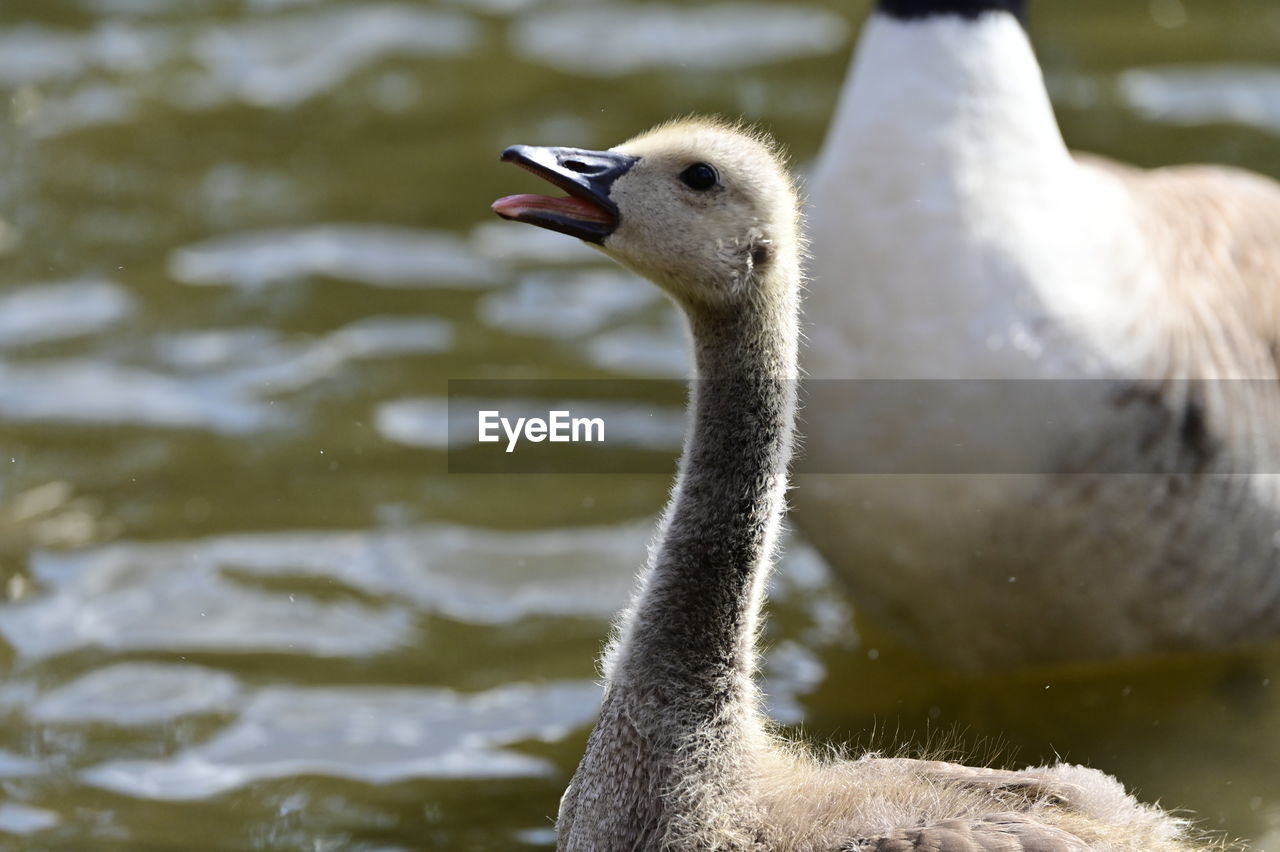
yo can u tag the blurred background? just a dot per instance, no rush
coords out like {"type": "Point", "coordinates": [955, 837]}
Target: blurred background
{"type": "Point", "coordinates": [243, 246]}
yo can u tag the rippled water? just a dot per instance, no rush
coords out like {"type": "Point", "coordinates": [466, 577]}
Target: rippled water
{"type": "Point", "coordinates": [243, 246]}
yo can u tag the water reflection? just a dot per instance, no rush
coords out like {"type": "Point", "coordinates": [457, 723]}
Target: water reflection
{"type": "Point", "coordinates": [91, 392]}
{"type": "Point", "coordinates": [115, 70]}
{"type": "Point", "coordinates": [373, 734]}
{"type": "Point", "coordinates": [371, 254]}
{"type": "Point", "coordinates": [138, 694]}
{"type": "Point", "coordinates": [24, 819]}
{"type": "Point", "coordinates": [55, 311]}
{"type": "Point", "coordinates": [343, 594]}
{"type": "Point", "coordinates": [274, 63]}
{"type": "Point", "coordinates": [614, 40]}
{"type": "Point", "coordinates": [167, 598]}
{"type": "Point", "coordinates": [415, 422]}
{"type": "Point", "coordinates": [566, 304]}
{"type": "Point", "coordinates": [1239, 94]}
{"type": "Point", "coordinates": [656, 350]}
{"type": "Point", "coordinates": [513, 243]}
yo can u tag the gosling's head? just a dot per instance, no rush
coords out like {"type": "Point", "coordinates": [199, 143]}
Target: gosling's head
{"type": "Point", "coordinates": [703, 209]}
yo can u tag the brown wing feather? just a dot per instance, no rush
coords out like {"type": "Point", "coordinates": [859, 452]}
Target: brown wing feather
{"type": "Point", "coordinates": [994, 833]}
{"type": "Point", "coordinates": [1214, 231]}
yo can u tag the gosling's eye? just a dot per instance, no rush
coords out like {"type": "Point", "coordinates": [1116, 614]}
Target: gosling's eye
{"type": "Point", "coordinates": [699, 176]}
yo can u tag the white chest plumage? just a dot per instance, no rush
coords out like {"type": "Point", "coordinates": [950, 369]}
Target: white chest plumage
{"type": "Point", "coordinates": [950, 225]}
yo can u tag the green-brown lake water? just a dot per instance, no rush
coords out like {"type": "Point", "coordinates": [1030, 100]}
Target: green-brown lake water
{"type": "Point", "coordinates": [243, 246]}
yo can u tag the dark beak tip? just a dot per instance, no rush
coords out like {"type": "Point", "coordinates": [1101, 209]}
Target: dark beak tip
{"type": "Point", "coordinates": [512, 153]}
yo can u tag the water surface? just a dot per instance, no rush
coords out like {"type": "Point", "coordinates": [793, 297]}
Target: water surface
{"type": "Point", "coordinates": [244, 244]}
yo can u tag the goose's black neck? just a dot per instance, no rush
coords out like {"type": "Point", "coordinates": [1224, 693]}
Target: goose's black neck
{"type": "Point", "coordinates": [915, 9]}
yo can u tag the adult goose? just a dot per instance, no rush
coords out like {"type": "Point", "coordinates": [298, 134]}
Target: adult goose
{"type": "Point", "coordinates": [1126, 504]}
{"type": "Point", "coordinates": [682, 757]}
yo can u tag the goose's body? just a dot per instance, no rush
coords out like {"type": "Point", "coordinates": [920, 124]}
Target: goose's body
{"type": "Point", "coordinates": [682, 758]}
{"type": "Point", "coordinates": [955, 237]}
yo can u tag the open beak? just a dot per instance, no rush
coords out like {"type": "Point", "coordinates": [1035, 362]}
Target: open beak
{"type": "Point", "coordinates": [587, 212]}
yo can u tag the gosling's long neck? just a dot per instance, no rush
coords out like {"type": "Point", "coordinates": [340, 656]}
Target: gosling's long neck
{"type": "Point", "coordinates": [680, 724]}
{"type": "Point", "coordinates": [688, 643]}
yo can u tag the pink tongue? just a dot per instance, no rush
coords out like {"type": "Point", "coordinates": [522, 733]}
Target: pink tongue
{"type": "Point", "coordinates": [576, 208]}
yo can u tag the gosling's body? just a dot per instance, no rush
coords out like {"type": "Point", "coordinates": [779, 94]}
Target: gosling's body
{"type": "Point", "coordinates": [954, 236]}
{"type": "Point", "coordinates": [682, 757]}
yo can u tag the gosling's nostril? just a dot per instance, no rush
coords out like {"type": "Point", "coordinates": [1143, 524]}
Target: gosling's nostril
{"type": "Point", "coordinates": [577, 166]}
